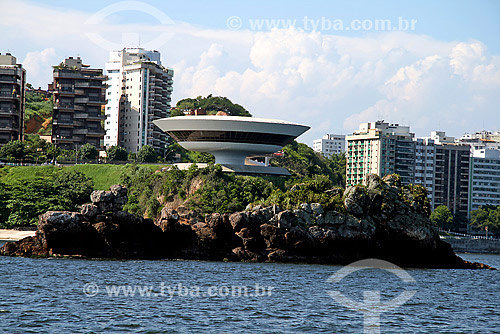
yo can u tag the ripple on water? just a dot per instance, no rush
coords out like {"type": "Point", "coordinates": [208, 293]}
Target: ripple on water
{"type": "Point", "coordinates": [45, 295]}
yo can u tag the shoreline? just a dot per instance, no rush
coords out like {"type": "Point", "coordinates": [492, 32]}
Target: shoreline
{"type": "Point", "coordinates": [14, 235]}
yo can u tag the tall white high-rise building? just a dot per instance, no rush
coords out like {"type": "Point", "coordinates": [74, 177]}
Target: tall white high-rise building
{"type": "Point", "coordinates": [139, 91]}
{"type": "Point", "coordinates": [425, 165]}
{"type": "Point", "coordinates": [330, 144]}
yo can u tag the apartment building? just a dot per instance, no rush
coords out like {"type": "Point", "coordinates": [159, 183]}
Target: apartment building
{"type": "Point", "coordinates": [425, 164]}
{"type": "Point", "coordinates": [481, 140]}
{"type": "Point", "coordinates": [484, 179]}
{"type": "Point", "coordinates": [78, 101]}
{"type": "Point", "coordinates": [446, 171]}
{"type": "Point", "coordinates": [380, 148]}
{"type": "Point", "coordinates": [12, 99]}
{"type": "Point", "coordinates": [330, 144]}
{"type": "Point", "coordinates": [139, 91]}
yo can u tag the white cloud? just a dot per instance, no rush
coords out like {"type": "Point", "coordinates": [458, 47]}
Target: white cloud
{"type": "Point", "coordinates": [39, 64]}
{"type": "Point", "coordinates": [327, 81]}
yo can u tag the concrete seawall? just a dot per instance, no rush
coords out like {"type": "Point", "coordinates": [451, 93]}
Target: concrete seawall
{"type": "Point", "coordinates": [470, 245]}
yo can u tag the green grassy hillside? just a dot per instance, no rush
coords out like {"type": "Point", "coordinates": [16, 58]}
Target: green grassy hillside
{"type": "Point", "coordinates": [103, 176]}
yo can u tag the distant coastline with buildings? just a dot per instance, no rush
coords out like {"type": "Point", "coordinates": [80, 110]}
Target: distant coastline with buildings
{"type": "Point", "coordinates": [104, 108]}
{"type": "Point", "coordinates": [117, 106]}
{"type": "Point", "coordinates": [462, 174]}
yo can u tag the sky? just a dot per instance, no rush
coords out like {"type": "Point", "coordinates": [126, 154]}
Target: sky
{"type": "Point", "coordinates": [328, 64]}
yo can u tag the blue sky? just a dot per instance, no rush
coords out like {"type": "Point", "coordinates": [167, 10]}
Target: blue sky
{"type": "Point", "coordinates": [444, 74]}
{"type": "Point", "coordinates": [445, 20]}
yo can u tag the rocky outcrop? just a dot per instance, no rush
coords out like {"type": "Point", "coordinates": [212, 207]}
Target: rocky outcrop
{"type": "Point", "coordinates": [377, 221]}
{"type": "Point", "coordinates": [99, 230]}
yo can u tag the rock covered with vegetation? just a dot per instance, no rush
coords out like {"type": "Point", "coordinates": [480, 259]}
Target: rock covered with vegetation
{"type": "Point", "coordinates": [381, 220]}
{"type": "Point", "coordinates": [211, 105]}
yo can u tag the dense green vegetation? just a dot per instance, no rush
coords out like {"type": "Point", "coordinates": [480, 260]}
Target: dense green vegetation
{"type": "Point", "coordinates": [442, 217]}
{"type": "Point", "coordinates": [27, 191]}
{"type": "Point", "coordinates": [36, 150]}
{"type": "Point", "coordinates": [87, 152]}
{"type": "Point", "coordinates": [487, 217]}
{"type": "Point", "coordinates": [38, 113]}
{"type": "Point", "coordinates": [314, 179]}
{"type": "Point", "coordinates": [211, 104]}
{"type": "Point", "coordinates": [32, 149]}
{"type": "Point", "coordinates": [316, 189]}
{"type": "Point", "coordinates": [147, 154]}
{"type": "Point", "coordinates": [22, 201]}
{"type": "Point", "coordinates": [200, 189]}
{"type": "Point", "coordinates": [117, 153]}
{"type": "Point", "coordinates": [302, 161]}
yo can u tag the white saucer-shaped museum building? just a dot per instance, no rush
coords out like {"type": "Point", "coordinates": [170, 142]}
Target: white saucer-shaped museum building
{"type": "Point", "coordinates": [233, 139]}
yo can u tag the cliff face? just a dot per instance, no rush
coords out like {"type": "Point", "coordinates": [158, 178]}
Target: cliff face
{"type": "Point", "coordinates": [378, 221]}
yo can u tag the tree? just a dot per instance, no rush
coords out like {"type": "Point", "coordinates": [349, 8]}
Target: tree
{"type": "Point", "coordinates": [337, 163]}
{"type": "Point", "coordinates": [487, 216]}
{"type": "Point", "coordinates": [146, 154]}
{"type": "Point", "coordinates": [13, 151]}
{"type": "Point", "coordinates": [52, 151]}
{"type": "Point", "coordinates": [35, 148]}
{"type": "Point", "coordinates": [88, 152]}
{"type": "Point", "coordinates": [442, 217]}
{"type": "Point", "coordinates": [65, 155]}
{"type": "Point", "coordinates": [132, 157]}
{"type": "Point", "coordinates": [4, 199]}
{"type": "Point", "coordinates": [23, 200]}
{"type": "Point", "coordinates": [211, 104]}
{"type": "Point", "coordinates": [302, 161]}
{"type": "Point", "coordinates": [73, 185]}
{"type": "Point", "coordinates": [117, 153]}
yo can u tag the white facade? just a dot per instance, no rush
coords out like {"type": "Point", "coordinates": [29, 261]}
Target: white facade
{"type": "Point", "coordinates": [231, 139]}
{"type": "Point", "coordinates": [440, 137]}
{"type": "Point", "coordinates": [484, 178]}
{"type": "Point", "coordinates": [330, 144]}
{"type": "Point", "coordinates": [425, 165]}
{"type": "Point", "coordinates": [481, 140]}
{"type": "Point", "coordinates": [139, 91]}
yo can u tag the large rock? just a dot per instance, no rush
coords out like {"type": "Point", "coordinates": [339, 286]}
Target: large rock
{"type": "Point", "coordinates": [109, 201]}
{"type": "Point", "coordinates": [380, 220]}
{"type": "Point", "coordinates": [99, 196]}
{"type": "Point", "coordinates": [356, 200]}
{"type": "Point", "coordinates": [90, 211]}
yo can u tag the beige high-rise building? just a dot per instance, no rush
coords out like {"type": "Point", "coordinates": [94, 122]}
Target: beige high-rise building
{"type": "Point", "coordinates": [380, 148]}
{"type": "Point", "coordinates": [12, 99]}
